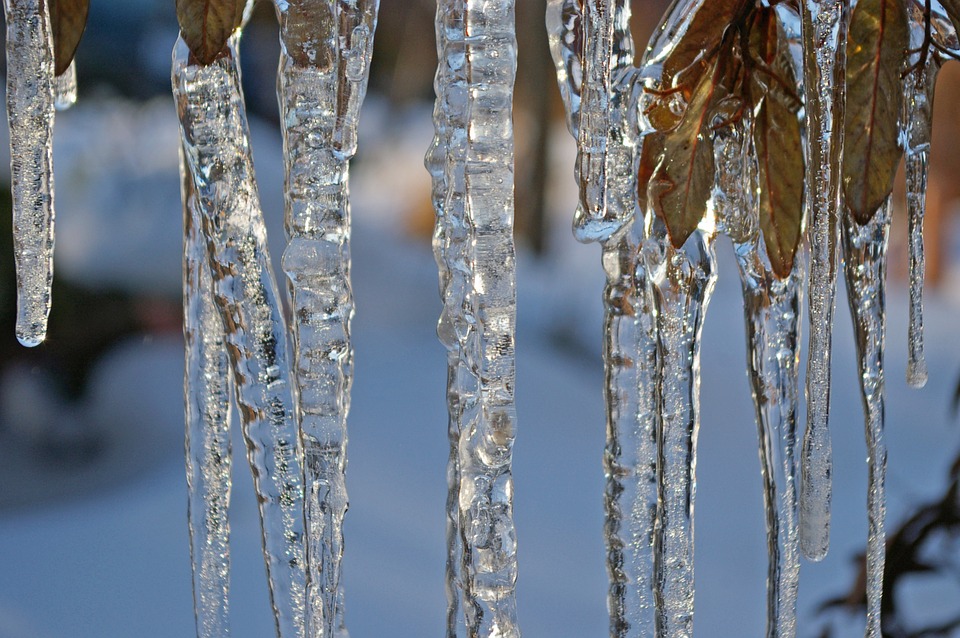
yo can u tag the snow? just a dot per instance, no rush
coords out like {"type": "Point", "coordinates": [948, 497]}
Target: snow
{"type": "Point", "coordinates": [115, 562]}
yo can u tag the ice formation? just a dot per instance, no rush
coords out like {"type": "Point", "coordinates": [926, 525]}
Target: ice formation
{"type": "Point", "coordinates": [471, 161]}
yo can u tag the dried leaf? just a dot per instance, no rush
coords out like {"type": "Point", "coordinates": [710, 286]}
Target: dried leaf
{"type": "Point", "coordinates": [776, 139]}
{"type": "Point", "coordinates": [207, 24]}
{"type": "Point", "coordinates": [696, 48]}
{"type": "Point", "coordinates": [952, 7]}
{"type": "Point", "coordinates": [310, 29]}
{"type": "Point", "coordinates": [68, 19]}
{"type": "Point", "coordinates": [876, 46]}
{"type": "Point", "coordinates": [680, 162]}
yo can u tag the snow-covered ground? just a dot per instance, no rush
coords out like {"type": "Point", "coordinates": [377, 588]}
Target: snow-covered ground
{"type": "Point", "coordinates": [115, 563]}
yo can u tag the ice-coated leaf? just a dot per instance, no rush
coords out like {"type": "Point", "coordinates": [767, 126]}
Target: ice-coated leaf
{"type": "Point", "coordinates": [68, 19]}
{"type": "Point", "coordinates": [680, 163]}
{"type": "Point", "coordinates": [702, 38]}
{"type": "Point", "coordinates": [307, 25]}
{"type": "Point", "coordinates": [952, 7]}
{"type": "Point", "coordinates": [876, 46]}
{"type": "Point", "coordinates": [776, 137]}
{"type": "Point", "coordinates": [206, 25]}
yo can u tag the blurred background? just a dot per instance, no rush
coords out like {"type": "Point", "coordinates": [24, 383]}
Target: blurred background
{"type": "Point", "coordinates": [93, 538]}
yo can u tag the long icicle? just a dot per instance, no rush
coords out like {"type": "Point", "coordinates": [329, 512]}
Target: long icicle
{"type": "Point", "coordinates": [824, 34]}
{"type": "Point", "coordinates": [30, 115]}
{"type": "Point", "coordinates": [917, 121]}
{"type": "Point", "coordinates": [479, 206]}
{"type": "Point", "coordinates": [215, 136]}
{"type": "Point", "coordinates": [449, 248]}
{"type": "Point", "coordinates": [324, 66]}
{"type": "Point", "coordinates": [865, 265]}
{"type": "Point", "coordinates": [683, 281]}
{"type": "Point", "coordinates": [207, 390]}
{"type": "Point", "coordinates": [772, 319]}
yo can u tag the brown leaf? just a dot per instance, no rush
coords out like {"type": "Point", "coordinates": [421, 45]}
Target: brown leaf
{"type": "Point", "coordinates": [309, 32]}
{"type": "Point", "coordinates": [680, 162]}
{"type": "Point", "coordinates": [701, 40]}
{"type": "Point", "coordinates": [207, 24]}
{"type": "Point", "coordinates": [952, 7]}
{"type": "Point", "coordinates": [876, 46]}
{"type": "Point", "coordinates": [68, 19]}
{"type": "Point", "coordinates": [776, 139]}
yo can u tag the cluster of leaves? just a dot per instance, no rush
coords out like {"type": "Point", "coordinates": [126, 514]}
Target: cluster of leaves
{"type": "Point", "coordinates": [733, 60]}
{"type": "Point", "coordinates": [68, 19]}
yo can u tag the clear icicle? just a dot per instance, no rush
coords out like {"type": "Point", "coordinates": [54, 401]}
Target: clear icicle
{"type": "Point", "coordinates": [824, 27]}
{"type": "Point", "coordinates": [865, 250]}
{"type": "Point", "coordinates": [607, 195]}
{"type": "Point", "coordinates": [564, 28]}
{"type": "Point", "coordinates": [215, 136]}
{"type": "Point", "coordinates": [630, 348]}
{"type": "Point", "coordinates": [475, 242]}
{"type": "Point", "coordinates": [917, 119]}
{"type": "Point", "coordinates": [450, 248]}
{"type": "Point", "coordinates": [772, 317]}
{"type": "Point", "coordinates": [321, 85]}
{"type": "Point", "coordinates": [207, 393]}
{"type": "Point", "coordinates": [682, 281]}
{"type": "Point", "coordinates": [30, 115]}
{"type": "Point", "coordinates": [65, 88]}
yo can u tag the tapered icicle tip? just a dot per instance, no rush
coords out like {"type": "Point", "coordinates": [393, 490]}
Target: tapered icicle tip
{"type": "Point", "coordinates": [31, 338]}
{"type": "Point", "coordinates": [917, 373]}
{"type": "Point", "coordinates": [32, 316]}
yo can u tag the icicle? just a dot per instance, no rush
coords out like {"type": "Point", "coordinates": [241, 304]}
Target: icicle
{"type": "Point", "coordinates": [607, 192]}
{"type": "Point", "coordinates": [207, 393]}
{"type": "Point", "coordinates": [917, 121]}
{"type": "Point", "coordinates": [772, 318]}
{"type": "Point", "coordinates": [65, 88]}
{"type": "Point", "coordinates": [475, 243]}
{"type": "Point", "coordinates": [564, 30]}
{"type": "Point", "coordinates": [321, 85]}
{"type": "Point", "coordinates": [682, 281]}
{"type": "Point", "coordinates": [216, 140]}
{"type": "Point", "coordinates": [824, 26]}
{"type": "Point", "coordinates": [865, 264]}
{"type": "Point", "coordinates": [450, 248]}
{"type": "Point", "coordinates": [30, 114]}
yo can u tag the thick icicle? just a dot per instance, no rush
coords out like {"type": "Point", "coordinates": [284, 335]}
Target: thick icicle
{"type": "Point", "coordinates": [30, 114]}
{"type": "Point", "coordinates": [324, 66]}
{"type": "Point", "coordinates": [65, 88]}
{"type": "Point", "coordinates": [207, 393]}
{"type": "Point", "coordinates": [474, 237]}
{"type": "Point", "coordinates": [450, 247]}
{"type": "Point", "coordinates": [216, 140]}
{"type": "Point", "coordinates": [865, 264]}
{"type": "Point", "coordinates": [917, 120]}
{"type": "Point", "coordinates": [824, 26]}
{"type": "Point", "coordinates": [772, 317]}
{"type": "Point", "coordinates": [682, 281]}
{"type": "Point", "coordinates": [607, 192]}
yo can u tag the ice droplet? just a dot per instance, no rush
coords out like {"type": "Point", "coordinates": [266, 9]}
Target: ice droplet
{"type": "Point", "coordinates": [65, 88]}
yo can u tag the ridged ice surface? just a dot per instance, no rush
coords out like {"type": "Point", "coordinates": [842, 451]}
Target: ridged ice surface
{"type": "Point", "coordinates": [65, 88]}
{"type": "Point", "coordinates": [824, 60]}
{"type": "Point", "coordinates": [319, 106]}
{"type": "Point", "coordinates": [30, 114]}
{"type": "Point", "coordinates": [917, 121]}
{"type": "Point", "coordinates": [865, 265]}
{"type": "Point", "coordinates": [207, 415]}
{"type": "Point", "coordinates": [215, 137]}
{"type": "Point", "coordinates": [564, 33]}
{"type": "Point", "coordinates": [772, 318]}
{"type": "Point", "coordinates": [474, 246]}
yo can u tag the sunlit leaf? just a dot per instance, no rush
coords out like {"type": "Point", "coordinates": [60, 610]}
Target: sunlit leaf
{"type": "Point", "coordinates": [680, 162]}
{"type": "Point", "coordinates": [695, 49]}
{"type": "Point", "coordinates": [207, 24]}
{"type": "Point", "coordinates": [876, 45]}
{"type": "Point", "coordinates": [68, 19]}
{"type": "Point", "coordinates": [776, 138]}
{"type": "Point", "coordinates": [309, 26]}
